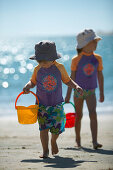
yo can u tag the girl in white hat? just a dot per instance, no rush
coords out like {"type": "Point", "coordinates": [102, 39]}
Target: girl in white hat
{"type": "Point", "coordinates": [86, 69]}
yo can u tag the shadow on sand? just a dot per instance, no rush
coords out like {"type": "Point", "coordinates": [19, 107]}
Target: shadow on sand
{"type": "Point", "coordinates": [100, 151]}
{"type": "Point", "coordinates": [57, 162]}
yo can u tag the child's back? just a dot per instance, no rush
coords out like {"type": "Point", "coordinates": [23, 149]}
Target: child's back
{"type": "Point", "coordinates": [48, 77]}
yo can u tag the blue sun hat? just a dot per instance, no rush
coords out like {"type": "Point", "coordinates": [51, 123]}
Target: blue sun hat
{"type": "Point", "coordinates": [86, 36]}
{"type": "Point", "coordinates": [45, 50]}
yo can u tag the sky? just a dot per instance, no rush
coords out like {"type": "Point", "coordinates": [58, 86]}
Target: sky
{"type": "Point", "coordinates": [54, 17]}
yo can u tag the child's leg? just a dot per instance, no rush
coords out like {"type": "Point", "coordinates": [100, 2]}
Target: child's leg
{"type": "Point", "coordinates": [44, 140]}
{"type": "Point", "coordinates": [91, 103]}
{"type": "Point", "coordinates": [54, 146]}
{"type": "Point", "coordinates": [79, 107]}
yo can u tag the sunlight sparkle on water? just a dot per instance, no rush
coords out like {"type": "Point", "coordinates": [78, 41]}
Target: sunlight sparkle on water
{"type": "Point", "coordinates": [19, 57]}
{"type": "Point", "coordinates": [23, 63]}
{"type": "Point", "coordinates": [3, 61]}
{"type": "Point", "coordinates": [66, 57]}
{"type": "Point", "coordinates": [12, 70]}
{"type": "Point", "coordinates": [5, 84]}
{"type": "Point", "coordinates": [6, 71]}
{"type": "Point", "coordinates": [22, 70]}
{"type": "Point", "coordinates": [29, 66]}
{"type": "Point", "coordinates": [16, 77]}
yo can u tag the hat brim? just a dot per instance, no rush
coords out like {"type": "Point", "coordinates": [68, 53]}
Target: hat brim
{"type": "Point", "coordinates": [59, 55]}
{"type": "Point", "coordinates": [32, 57]}
{"type": "Point", "coordinates": [46, 58]}
{"type": "Point", "coordinates": [98, 38]}
{"type": "Point", "coordinates": [81, 46]}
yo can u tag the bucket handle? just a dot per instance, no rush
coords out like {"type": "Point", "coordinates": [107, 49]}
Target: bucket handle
{"type": "Point", "coordinates": [70, 103]}
{"type": "Point", "coordinates": [23, 93]}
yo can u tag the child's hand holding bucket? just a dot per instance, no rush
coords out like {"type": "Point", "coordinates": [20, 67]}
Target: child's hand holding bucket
{"type": "Point", "coordinates": [26, 90]}
{"type": "Point", "coordinates": [27, 87]}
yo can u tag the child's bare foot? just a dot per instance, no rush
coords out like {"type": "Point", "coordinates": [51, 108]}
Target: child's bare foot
{"type": "Point", "coordinates": [78, 144]}
{"type": "Point", "coordinates": [97, 145]}
{"type": "Point", "coordinates": [54, 148]}
{"type": "Point", "coordinates": [44, 155]}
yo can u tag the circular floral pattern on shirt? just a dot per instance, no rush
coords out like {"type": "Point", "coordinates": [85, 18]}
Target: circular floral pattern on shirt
{"type": "Point", "coordinates": [89, 69]}
{"type": "Point", "coordinates": [49, 83]}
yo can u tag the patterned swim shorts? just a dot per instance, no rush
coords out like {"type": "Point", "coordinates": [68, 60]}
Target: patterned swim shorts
{"type": "Point", "coordinates": [52, 118]}
{"type": "Point", "coordinates": [86, 93]}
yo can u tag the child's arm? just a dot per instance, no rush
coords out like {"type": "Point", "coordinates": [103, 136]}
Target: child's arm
{"type": "Point", "coordinates": [101, 85]}
{"type": "Point", "coordinates": [71, 85]}
{"type": "Point", "coordinates": [74, 85]}
{"type": "Point", "coordinates": [69, 90]}
{"type": "Point", "coordinates": [28, 86]}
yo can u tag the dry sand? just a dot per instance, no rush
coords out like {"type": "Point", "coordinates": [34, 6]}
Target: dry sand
{"type": "Point", "coordinates": [20, 147]}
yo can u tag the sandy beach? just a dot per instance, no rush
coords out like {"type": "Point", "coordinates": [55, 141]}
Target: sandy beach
{"type": "Point", "coordinates": [20, 147]}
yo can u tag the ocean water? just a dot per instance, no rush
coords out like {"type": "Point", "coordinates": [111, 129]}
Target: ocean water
{"type": "Point", "coordinates": [16, 70]}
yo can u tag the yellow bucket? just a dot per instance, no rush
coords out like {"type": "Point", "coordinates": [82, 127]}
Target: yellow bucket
{"type": "Point", "coordinates": [27, 115]}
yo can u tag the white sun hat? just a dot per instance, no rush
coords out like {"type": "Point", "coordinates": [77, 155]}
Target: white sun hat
{"type": "Point", "coordinates": [86, 36]}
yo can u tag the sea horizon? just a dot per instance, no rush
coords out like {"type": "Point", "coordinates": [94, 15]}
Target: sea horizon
{"type": "Point", "coordinates": [16, 68]}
